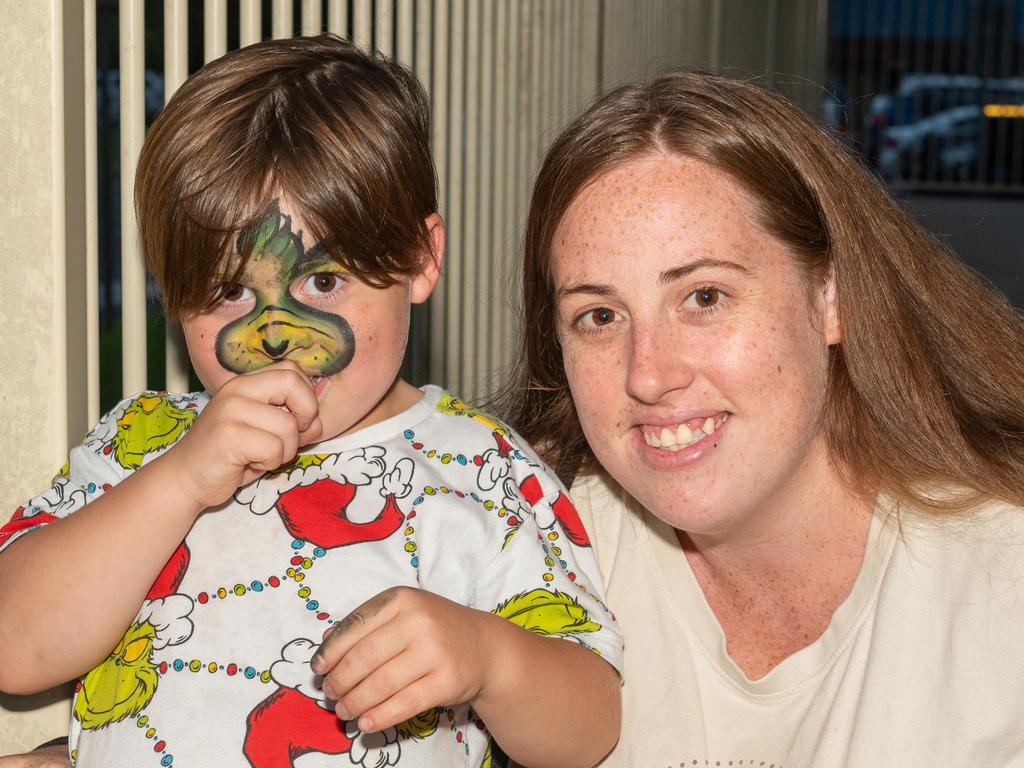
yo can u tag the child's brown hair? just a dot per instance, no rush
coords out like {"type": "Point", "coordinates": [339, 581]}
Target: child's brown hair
{"type": "Point", "coordinates": [338, 135]}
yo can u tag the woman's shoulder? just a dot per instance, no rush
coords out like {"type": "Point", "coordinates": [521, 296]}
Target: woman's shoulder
{"type": "Point", "coordinates": [970, 557]}
{"type": "Point", "coordinates": [610, 516]}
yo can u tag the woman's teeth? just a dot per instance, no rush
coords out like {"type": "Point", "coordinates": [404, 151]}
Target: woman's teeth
{"type": "Point", "coordinates": [682, 435]}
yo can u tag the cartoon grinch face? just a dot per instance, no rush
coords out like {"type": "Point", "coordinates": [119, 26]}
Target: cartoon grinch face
{"type": "Point", "coordinates": [150, 423]}
{"type": "Point", "coordinates": [123, 684]}
{"type": "Point", "coordinates": [281, 285]}
{"type": "Point", "coordinates": [456, 407]}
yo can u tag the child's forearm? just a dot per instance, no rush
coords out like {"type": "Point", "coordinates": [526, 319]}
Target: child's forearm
{"type": "Point", "coordinates": [55, 756]}
{"type": "Point", "coordinates": [551, 702]}
{"type": "Point", "coordinates": [69, 590]}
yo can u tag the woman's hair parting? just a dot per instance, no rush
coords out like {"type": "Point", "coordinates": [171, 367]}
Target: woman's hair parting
{"type": "Point", "coordinates": [339, 136]}
{"type": "Point", "coordinates": [926, 389]}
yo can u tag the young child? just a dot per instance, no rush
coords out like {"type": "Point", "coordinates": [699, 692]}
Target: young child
{"type": "Point", "coordinates": [333, 567]}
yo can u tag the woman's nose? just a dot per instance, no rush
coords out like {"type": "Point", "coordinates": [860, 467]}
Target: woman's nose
{"type": "Point", "coordinates": [658, 364]}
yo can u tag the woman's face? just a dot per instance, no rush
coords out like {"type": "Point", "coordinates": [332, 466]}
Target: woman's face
{"type": "Point", "coordinates": [695, 348]}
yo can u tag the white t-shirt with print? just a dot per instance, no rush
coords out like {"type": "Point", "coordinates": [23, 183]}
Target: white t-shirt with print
{"type": "Point", "coordinates": [214, 671]}
{"type": "Point", "coordinates": [921, 667]}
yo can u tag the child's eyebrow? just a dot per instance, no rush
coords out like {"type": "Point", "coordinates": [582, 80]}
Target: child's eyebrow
{"type": "Point", "coordinates": [313, 259]}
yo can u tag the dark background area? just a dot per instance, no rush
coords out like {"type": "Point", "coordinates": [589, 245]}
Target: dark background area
{"type": "Point", "coordinates": [931, 94]}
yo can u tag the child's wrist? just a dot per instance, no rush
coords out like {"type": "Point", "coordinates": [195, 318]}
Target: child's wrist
{"type": "Point", "coordinates": [172, 473]}
{"type": "Point", "coordinates": [499, 642]}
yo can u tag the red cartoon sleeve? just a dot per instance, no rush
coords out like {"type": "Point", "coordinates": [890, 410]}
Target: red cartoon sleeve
{"type": "Point", "coordinates": [20, 523]}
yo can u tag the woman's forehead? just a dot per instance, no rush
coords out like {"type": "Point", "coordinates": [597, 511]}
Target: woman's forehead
{"type": "Point", "coordinates": [677, 204]}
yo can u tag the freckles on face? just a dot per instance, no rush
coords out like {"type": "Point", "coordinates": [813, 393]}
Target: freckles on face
{"type": "Point", "coordinates": [673, 307]}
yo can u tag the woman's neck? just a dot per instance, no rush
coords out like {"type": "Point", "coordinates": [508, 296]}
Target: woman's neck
{"type": "Point", "coordinates": [774, 586]}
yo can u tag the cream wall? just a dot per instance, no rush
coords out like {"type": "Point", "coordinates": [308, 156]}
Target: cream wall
{"type": "Point", "coordinates": [32, 320]}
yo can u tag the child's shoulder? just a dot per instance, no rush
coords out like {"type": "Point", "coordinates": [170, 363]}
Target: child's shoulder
{"type": "Point", "coordinates": [451, 405]}
{"type": "Point", "coordinates": [462, 420]}
{"type": "Point", "coordinates": [144, 423]}
{"type": "Point", "coordinates": [455, 415]}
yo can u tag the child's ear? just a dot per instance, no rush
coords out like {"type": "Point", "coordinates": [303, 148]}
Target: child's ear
{"type": "Point", "coordinates": [423, 282]}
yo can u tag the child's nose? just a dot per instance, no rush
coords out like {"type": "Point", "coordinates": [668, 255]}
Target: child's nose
{"type": "Point", "coordinates": [275, 350]}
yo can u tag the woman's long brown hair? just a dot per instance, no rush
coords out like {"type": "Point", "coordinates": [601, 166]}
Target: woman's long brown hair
{"type": "Point", "coordinates": [926, 390]}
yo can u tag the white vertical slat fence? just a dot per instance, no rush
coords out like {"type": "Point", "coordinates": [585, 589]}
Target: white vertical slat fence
{"type": "Point", "coordinates": [175, 71]}
{"type": "Point", "coordinates": [502, 77]}
{"type": "Point", "coordinates": [133, 126]}
{"type": "Point", "coordinates": [92, 239]}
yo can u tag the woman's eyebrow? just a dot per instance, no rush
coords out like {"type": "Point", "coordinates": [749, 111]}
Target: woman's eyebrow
{"type": "Point", "coordinates": [684, 270]}
{"type": "Point", "coordinates": [595, 289]}
{"type": "Point", "coordinates": [666, 277]}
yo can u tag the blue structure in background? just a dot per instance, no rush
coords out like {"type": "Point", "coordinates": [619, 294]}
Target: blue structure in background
{"type": "Point", "coordinates": [931, 92]}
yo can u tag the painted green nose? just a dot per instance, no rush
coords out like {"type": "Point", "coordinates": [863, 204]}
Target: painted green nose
{"type": "Point", "coordinates": [275, 350]}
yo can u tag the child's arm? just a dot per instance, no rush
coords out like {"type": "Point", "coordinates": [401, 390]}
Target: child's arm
{"type": "Point", "coordinates": [51, 756]}
{"type": "Point", "coordinates": [546, 701]}
{"type": "Point", "coordinates": [69, 589]}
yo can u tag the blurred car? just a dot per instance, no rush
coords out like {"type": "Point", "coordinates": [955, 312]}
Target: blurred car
{"type": "Point", "coordinates": [951, 128]}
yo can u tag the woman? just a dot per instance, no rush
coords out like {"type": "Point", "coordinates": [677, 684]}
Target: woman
{"type": "Point", "coordinates": [797, 427]}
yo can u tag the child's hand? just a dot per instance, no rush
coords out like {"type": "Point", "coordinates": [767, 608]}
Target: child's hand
{"type": "Point", "coordinates": [401, 653]}
{"type": "Point", "coordinates": [254, 423]}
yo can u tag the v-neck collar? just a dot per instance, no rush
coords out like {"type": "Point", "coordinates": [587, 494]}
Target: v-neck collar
{"type": "Point", "coordinates": [804, 667]}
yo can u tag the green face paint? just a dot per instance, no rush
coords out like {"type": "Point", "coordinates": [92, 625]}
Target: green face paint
{"type": "Point", "coordinates": [280, 327]}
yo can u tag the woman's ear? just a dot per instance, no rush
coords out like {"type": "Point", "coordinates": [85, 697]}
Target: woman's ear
{"type": "Point", "coordinates": [829, 303]}
{"type": "Point", "coordinates": [423, 282]}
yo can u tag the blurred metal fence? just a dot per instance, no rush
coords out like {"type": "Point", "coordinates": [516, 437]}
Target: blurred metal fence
{"type": "Point", "coordinates": [931, 92]}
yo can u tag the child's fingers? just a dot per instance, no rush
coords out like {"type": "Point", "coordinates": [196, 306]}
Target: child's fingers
{"type": "Point", "coordinates": [312, 433]}
{"type": "Point", "coordinates": [282, 384]}
{"type": "Point", "coordinates": [362, 660]}
{"type": "Point", "coordinates": [255, 423]}
{"type": "Point", "coordinates": [341, 637]}
{"type": "Point", "coordinates": [264, 450]}
{"type": "Point", "coordinates": [419, 696]}
{"type": "Point", "coordinates": [380, 685]}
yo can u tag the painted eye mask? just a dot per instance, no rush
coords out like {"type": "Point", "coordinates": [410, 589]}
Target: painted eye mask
{"type": "Point", "coordinates": [280, 327]}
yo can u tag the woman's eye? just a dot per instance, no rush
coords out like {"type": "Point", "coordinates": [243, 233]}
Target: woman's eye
{"type": "Point", "coordinates": [706, 298]}
{"type": "Point", "coordinates": [597, 318]}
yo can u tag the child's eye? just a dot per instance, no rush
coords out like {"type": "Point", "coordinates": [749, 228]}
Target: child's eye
{"type": "Point", "coordinates": [232, 293]}
{"type": "Point", "coordinates": [321, 285]}
{"type": "Point", "coordinates": [324, 282]}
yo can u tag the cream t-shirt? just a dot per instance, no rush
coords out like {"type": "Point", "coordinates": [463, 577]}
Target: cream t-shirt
{"type": "Point", "coordinates": [922, 665]}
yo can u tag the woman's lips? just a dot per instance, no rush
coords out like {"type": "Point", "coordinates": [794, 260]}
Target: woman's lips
{"type": "Point", "coordinates": [682, 435]}
{"type": "Point", "coordinates": [670, 445]}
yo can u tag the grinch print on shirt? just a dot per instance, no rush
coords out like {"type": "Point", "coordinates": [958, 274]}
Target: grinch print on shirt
{"type": "Point", "coordinates": [214, 670]}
